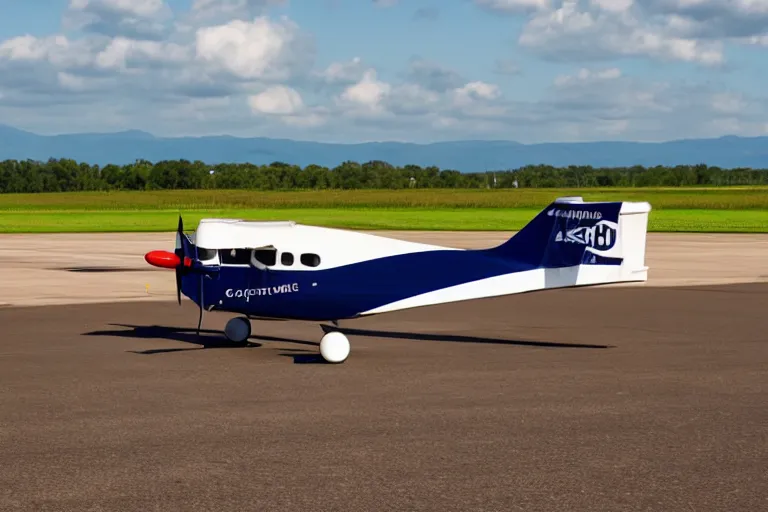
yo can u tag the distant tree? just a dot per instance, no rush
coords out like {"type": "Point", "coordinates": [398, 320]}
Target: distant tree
{"type": "Point", "coordinates": [68, 175]}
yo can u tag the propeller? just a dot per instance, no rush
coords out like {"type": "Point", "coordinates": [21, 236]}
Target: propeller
{"type": "Point", "coordinates": [200, 294]}
{"type": "Point", "coordinates": [183, 264]}
{"type": "Point", "coordinates": [181, 270]}
{"type": "Point", "coordinates": [179, 234]}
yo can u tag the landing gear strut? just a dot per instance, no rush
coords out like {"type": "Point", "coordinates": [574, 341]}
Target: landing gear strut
{"type": "Point", "coordinates": [238, 329]}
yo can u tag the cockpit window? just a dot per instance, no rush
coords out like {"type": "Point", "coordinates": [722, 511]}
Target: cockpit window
{"type": "Point", "coordinates": [286, 259]}
{"type": "Point", "coordinates": [206, 254]}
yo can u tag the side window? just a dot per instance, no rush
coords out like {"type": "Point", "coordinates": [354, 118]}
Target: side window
{"type": "Point", "coordinates": [286, 259]}
{"type": "Point", "coordinates": [235, 256]}
{"type": "Point", "coordinates": [266, 257]}
{"type": "Point", "coordinates": [310, 260]}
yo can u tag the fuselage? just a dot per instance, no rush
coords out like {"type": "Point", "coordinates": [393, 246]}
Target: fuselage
{"type": "Point", "coordinates": [286, 270]}
{"type": "Point", "coordinates": [347, 291]}
{"type": "Point", "coordinates": [293, 271]}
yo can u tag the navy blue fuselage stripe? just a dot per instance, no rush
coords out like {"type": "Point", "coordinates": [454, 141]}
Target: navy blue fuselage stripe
{"type": "Point", "coordinates": [346, 291]}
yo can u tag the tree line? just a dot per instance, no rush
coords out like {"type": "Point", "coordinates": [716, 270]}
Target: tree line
{"type": "Point", "coordinates": [65, 175]}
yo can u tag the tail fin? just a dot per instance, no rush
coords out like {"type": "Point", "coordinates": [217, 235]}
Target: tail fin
{"type": "Point", "coordinates": [580, 243]}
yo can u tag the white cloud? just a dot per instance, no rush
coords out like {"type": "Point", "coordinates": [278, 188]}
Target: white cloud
{"type": "Point", "coordinates": [587, 76]}
{"type": "Point", "coordinates": [213, 61]}
{"type": "Point", "coordinates": [214, 11]}
{"type": "Point", "coordinates": [473, 92]}
{"type": "Point", "coordinates": [121, 53]}
{"type": "Point", "coordinates": [71, 82]}
{"type": "Point", "coordinates": [412, 99]}
{"type": "Point", "coordinates": [287, 105]}
{"type": "Point", "coordinates": [130, 18]}
{"type": "Point", "coordinates": [366, 96]}
{"type": "Point", "coordinates": [669, 30]}
{"type": "Point", "coordinates": [613, 5]}
{"type": "Point", "coordinates": [277, 100]}
{"type": "Point", "coordinates": [138, 8]}
{"type": "Point", "coordinates": [343, 72]}
{"type": "Point", "coordinates": [249, 50]}
{"type": "Point", "coordinates": [56, 50]}
{"type": "Point", "coordinates": [228, 67]}
{"type": "Point", "coordinates": [575, 32]}
{"type": "Point", "coordinates": [757, 40]}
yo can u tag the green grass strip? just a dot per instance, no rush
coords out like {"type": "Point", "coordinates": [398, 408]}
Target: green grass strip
{"type": "Point", "coordinates": [689, 198]}
{"type": "Point", "coordinates": [459, 219]}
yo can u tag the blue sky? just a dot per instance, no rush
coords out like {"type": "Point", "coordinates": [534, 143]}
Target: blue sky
{"type": "Point", "coordinates": [408, 70]}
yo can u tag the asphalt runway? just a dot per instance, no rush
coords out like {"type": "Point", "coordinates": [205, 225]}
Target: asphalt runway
{"type": "Point", "coordinates": [635, 398]}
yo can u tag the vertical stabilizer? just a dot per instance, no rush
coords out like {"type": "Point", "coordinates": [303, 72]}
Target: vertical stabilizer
{"type": "Point", "coordinates": [587, 243]}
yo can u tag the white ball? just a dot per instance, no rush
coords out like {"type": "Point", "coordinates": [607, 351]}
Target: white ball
{"type": "Point", "coordinates": [334, 347]}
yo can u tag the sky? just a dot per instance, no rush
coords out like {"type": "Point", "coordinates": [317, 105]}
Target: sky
{"type": "Point", "coordinates": [396, 70]}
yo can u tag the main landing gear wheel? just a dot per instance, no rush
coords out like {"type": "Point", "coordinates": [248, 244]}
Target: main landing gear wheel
{"type": "Point", "coordinates": [238, 329]}
{"type": "Point", "coordinates": [334, 347]}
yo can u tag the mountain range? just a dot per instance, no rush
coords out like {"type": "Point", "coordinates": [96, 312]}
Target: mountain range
{"type": "Point", "coordinates": [125, 147]}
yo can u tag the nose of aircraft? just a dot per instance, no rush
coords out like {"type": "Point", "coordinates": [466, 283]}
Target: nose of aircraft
{"type": "Point", "coordinates": [162, 259]}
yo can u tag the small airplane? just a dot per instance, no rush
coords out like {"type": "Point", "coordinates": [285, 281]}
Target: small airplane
{"type": "Point", "coordinates": [290, 271]}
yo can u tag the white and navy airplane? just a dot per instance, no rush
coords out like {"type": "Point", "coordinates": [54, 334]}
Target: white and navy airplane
{"type": "Point", "coordinates": [290, 271]}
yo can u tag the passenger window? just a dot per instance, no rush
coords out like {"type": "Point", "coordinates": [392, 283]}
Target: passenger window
{"type": "Point", "coordinates": [286, 259]}
{"type": "Point", "coordinates": [235, 256]}
{"type": "Point", "coordinates": [310, 260]}
{"type": "Point", "coordinates": [267, 257]}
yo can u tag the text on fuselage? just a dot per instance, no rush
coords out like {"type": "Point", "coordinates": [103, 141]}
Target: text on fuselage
{"type": "Point", "coordinates": [247, 293]}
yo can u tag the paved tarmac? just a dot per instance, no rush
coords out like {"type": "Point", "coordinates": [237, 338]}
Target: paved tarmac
{"type": "Point", "coordinates": [501, 404]}
{"type": "Point", "coordinates": [52, 269]}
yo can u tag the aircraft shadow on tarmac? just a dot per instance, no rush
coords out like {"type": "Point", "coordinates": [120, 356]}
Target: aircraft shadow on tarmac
{"type": "Point", "coordinates": [208, 339]}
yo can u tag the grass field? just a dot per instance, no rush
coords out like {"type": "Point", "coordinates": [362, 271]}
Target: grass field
{"type": "Point", "coordinates": [731, 198]}
{"type": "Point", "coordinates": [674, 209]}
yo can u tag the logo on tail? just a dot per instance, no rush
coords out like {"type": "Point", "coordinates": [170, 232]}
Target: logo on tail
{"type": "Point", "coordinates": [601, 237]}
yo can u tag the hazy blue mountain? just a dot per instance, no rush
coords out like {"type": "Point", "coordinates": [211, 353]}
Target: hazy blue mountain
{"type": "Point", "coordinates": [467, 156]}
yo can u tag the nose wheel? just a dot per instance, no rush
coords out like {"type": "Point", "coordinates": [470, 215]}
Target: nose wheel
{"type": "Point", "coordinates": [238, 329]}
